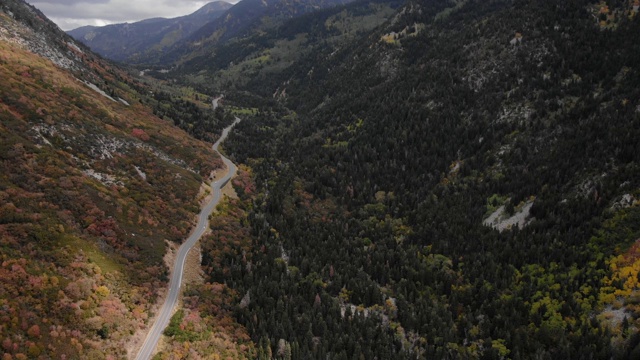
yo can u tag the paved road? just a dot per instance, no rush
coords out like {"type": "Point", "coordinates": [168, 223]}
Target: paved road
{"type": "Point", "coordinates": [176, 275]}
{"type": "Point", "coordinates": [215, 102]}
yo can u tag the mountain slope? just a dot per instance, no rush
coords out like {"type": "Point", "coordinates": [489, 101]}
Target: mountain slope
{"type": "Point", "coordinates": [461, 182]}
{"type": "Point", "coordinates": [93, 190]}
{"type": "Point", "coordinates": [148, 38]}
{"type": "Point", "coordinates": [260, 61]}
{"type": "Point", "coordinates": [245, 18]}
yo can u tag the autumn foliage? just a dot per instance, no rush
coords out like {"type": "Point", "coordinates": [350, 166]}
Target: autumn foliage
{"type": "Point", "coordinates": [206, 326]}
{"type": "Point", "coordinates": [90, 189]}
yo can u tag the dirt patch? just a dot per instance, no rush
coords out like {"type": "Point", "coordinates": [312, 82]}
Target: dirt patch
{"type": "Point", "coordinates": [204, 193]}
{"type": "Point", "coordinates": [229, 191]}
{"type": "Point", "coordinates": [193, 273]}
{"type": "Point", "coordinates": [170, 257]}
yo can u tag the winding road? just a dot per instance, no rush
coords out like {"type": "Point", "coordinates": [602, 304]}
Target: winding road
{"type": "Point", "coordinates": [176, 275]}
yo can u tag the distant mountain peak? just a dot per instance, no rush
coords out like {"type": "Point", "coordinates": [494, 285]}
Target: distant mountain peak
{"type": "Point", "coordinates": [215, 6]}
{"type": "Point", "coordinates": [146, 38]}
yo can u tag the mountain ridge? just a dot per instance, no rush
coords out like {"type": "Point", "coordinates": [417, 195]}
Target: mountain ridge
{"type": "Point", "coordinates": [146, 38]}
{"type": "Point", "coordinates": [240, 20]}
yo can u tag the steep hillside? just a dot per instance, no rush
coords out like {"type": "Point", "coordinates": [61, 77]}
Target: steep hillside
{"type": "Point", "coordinates": [257, 15]}
{"type": "Point", "coordinates": [244, 19]}
{"type": "Point", "coordinates": [146, 39]}
{"type": "Point", "coordinates": [460, 182]}
{"type": "Point", "coordinates": [261, 61]}
{"type": "Point", "coordinates": [93, 188]}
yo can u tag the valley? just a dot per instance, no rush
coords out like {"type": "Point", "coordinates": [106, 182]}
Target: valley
{"type": "Point", "coordinates": [175, 284]}
{"type": "Point", "coordinates": [413, 179]}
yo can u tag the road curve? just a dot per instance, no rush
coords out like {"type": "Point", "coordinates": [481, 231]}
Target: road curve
{"type": "Point", "coordinates": [176, 275]}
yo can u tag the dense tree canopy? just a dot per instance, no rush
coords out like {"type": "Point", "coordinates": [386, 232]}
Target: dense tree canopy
{"type": "Point", "coordinates": [370, 233]}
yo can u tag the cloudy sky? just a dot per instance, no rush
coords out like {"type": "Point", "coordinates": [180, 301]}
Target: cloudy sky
{"type": "Point", "coordinates": [70, 14]}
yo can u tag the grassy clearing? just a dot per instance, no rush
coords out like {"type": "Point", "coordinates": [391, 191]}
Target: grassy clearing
{"type": "Point", "coordinates": [238, 111]}
{"type": "Point", "coordinates": [349, 24]}
{"type": "Point", "coordinates": [92, 252]}
{"type": "Point", "coordinates": [494, 202]}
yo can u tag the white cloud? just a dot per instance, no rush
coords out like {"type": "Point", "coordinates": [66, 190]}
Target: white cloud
{"type": "Point", "coordinates": [70, 14]}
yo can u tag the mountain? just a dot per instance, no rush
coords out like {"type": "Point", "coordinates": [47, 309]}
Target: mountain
{"type": "Point", "coordinates": [245, 18]}
{"type": "Point", "coordinates": [460, 181]}
{"type": "Point", "coordinates": [260, 61]}
{"type": "Point", "coordinates": [253, 15]}
{"type": "Point", "coordinates": [147, 38]}
{"type": "Point", "coordinates": [419, 179]}
{"type": "Point", "coordinates": [94, 190]}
